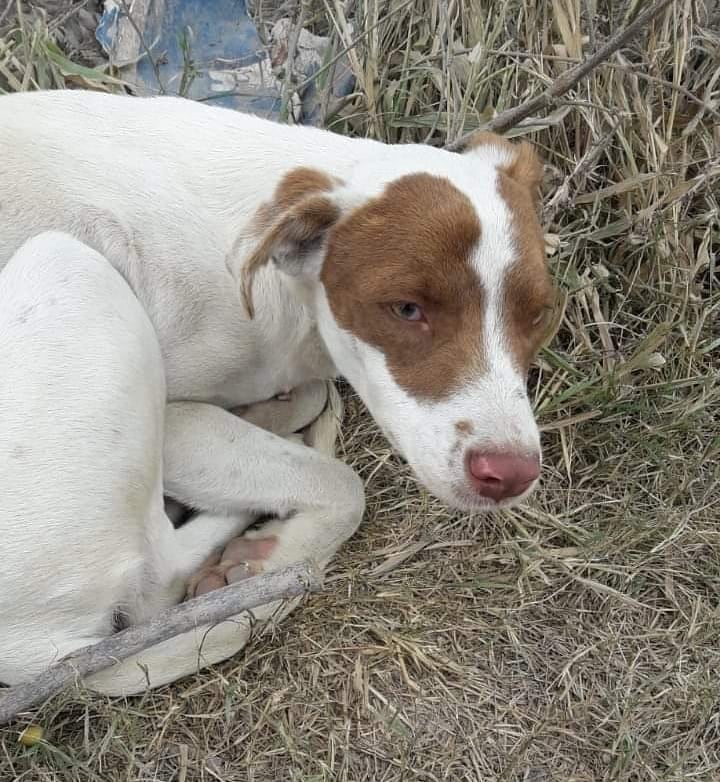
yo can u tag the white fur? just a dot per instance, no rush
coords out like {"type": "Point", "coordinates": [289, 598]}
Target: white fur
{"type": "Point", "coordinates": [162, 191]}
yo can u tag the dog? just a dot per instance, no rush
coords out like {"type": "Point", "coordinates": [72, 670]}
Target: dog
{"type": "Point", "coordinates": [165, 263]}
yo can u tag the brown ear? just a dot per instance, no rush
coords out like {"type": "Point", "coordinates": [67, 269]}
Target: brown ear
{"type": "Point", "coordinates": [523, 166]}
{"type": "Point", "coordinates": [294, 242]}
{"type": "Point", "coordinates": [526, 167]}
{"type": "Point", "coordinates": [289, 229]}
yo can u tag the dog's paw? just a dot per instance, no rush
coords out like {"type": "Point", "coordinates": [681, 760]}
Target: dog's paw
{"type": "Point", "coordinates": [243, 557]}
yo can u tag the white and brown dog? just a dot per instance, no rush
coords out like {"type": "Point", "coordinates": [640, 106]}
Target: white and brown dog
{"type": "Point", "coordinates": [163, 263]}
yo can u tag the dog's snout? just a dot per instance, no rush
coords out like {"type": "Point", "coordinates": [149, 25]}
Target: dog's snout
{"type": "Point", "coordinates": [501, 475]}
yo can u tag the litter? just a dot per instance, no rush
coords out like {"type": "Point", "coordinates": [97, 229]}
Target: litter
{"type": "Point", "coordinates": [210, 50]}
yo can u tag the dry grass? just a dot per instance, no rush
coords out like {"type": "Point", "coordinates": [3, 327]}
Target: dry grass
{"type": "Point", "coordinates": [575, 639]}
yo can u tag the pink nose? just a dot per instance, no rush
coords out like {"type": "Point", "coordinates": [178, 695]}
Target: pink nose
{"type": "Point", "coordinates": [500, 476]}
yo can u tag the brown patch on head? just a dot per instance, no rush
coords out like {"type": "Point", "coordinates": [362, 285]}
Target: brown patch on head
{"type": "Point", "coordinates": [293, 187]}
{"type": "Point", "coordinates": [414, 243]}
{"type": "Point", "coordinates": [526, 167]}
{"type": "Point", "coordinates": [464, 427]}
{"type": "Point", "coordinates": [298, 216]}
{"type": "Point", "coordinates": [528, 288]}
{"type": "Point", "coordinates": [483, 138]}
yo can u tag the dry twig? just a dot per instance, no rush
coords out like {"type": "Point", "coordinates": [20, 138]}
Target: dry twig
{"type": "Point", "coordinates": [514, 116]}
{"type": "Point", "coordinates": [211, 608]}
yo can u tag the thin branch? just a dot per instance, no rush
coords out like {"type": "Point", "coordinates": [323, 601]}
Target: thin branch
{"type": "Point", "coordinates": [59, 21]}
{"type": "Point", "coordinates": [210, 608]}
{"type": "Point", "coordinates": [5, 11]}
{"type": "Point", "coordinates": [514, 116]}
{"type": "Point", "coordinates": [625, 68]}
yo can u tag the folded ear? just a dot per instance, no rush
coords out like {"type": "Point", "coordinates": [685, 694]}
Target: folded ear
{"type": "Point", "coordinates": [518, 160]}
{"type": "Point", "coordinates": [295, 242]}
{"type": "Point", "coordinates": [293, 228]}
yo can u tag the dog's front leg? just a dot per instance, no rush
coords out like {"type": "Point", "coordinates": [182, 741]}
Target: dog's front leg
{"type": "Point", "coordinates": [217, 462]}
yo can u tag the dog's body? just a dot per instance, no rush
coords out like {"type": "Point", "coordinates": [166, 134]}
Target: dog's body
{"type": "Point", "coordinates": [416, 273]}
{"type": "Point", "coordinates": [162, 189]}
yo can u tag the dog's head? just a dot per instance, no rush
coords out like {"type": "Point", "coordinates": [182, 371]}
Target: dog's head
{"type": "Point", "coordinates": [432, 294]}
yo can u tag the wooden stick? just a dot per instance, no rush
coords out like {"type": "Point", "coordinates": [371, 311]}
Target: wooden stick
{"type": "Point", "coordinates": [210, 608]}
{"type": "Point", "coordinates": [511, 117]}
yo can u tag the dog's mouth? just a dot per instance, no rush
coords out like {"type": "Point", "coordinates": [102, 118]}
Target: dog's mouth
{"type": "Point", "coordinates": [472, 502]}
{"type": "Point", "coordinates": [458, 493]}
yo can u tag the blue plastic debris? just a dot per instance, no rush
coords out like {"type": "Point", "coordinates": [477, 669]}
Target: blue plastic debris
{"type": "Point", "coordinates": [210, 50]}
{"type": "Point", "coordinates": [107, 27]}
{"type": "Point", "coordinates": [202, 49]}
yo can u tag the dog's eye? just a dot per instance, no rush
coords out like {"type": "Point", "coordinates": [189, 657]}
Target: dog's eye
{"type": "Point", "coordinates": [408, 310]}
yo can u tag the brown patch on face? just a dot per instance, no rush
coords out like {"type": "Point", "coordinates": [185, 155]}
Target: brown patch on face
{"type": "Point", "coordinates": [464, 427]}
{"type": "Point", "coordinates": [414, 243]}
{"type": "Point", "coordinates": [528, 288]}
{"type": "Point", "coordinates": [297, 216]}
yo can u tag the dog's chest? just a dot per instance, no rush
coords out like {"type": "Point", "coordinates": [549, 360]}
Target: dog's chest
{"type": "Point", "coordinates": [275, 366]}
{"type": "Point", "coordinates": [214, 353]}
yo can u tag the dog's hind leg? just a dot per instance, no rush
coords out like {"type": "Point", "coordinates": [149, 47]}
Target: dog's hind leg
{"type": "Point", "coordinates": [82, 403]}
{"type": "Point", "coordinates": [82, 400]}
